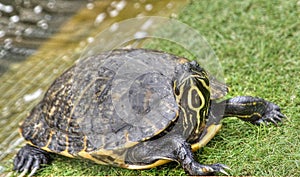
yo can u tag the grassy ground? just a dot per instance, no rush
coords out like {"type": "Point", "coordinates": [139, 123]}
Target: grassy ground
{"type": "Point", "coordinates": [258, 43]}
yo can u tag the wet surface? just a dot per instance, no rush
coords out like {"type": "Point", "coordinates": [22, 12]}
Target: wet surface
{"type": "Point", "coordinates": [25, 25]}
{"type": "Point", "coordinates": [41, 39]}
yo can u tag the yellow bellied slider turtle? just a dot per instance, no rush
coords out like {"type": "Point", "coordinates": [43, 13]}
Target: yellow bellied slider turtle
{"type": "Point", "coordinates": [112, 111]}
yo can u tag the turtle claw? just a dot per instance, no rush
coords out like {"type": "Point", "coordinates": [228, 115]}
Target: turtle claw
{"type": "Point", "coordinates": [29, 159]}
{"type": "Point", "coordinates": [23, 173]}
{"type": "Point", "coordinates": [224, 172]}
{"type": "Point", "coordinates": [271, 115]}
{"type": "Point", "coordinates": [209, 169]}
{"type": "Point", "coordinates": [225, 167]}
{"type": "Point", "coordinates": [33, 171]}
{"type": "Point", "coordinates": [221, 168]}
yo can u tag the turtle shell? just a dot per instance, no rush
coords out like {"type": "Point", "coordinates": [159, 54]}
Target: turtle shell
{"type": "Point", "coordinates": [110, 101]}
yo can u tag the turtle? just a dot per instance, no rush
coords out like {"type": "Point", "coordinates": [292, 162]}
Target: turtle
{"type": "Point", "coordinates": [135, 109]}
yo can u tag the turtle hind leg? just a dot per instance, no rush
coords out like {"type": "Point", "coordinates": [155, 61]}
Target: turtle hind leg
{"type": "Point", "coordinates": [30, 159]}
{"type": "Point", "coordinates": [170, 147]}
{"type": "Point", "coordinates": [252, 109]}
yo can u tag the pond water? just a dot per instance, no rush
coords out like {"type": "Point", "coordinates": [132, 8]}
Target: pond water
{"type": "Point", "coordinates": [41, 39]}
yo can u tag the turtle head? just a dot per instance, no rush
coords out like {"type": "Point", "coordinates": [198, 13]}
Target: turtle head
{"type": "Point", "coordinates": [191, 89]}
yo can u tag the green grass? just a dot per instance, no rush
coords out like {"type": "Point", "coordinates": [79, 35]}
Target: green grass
{"type": "Point", "coordinates": [258, 44]}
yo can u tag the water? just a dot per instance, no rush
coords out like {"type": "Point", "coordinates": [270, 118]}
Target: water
{"type": "Point", "coordinates": [41, 39]}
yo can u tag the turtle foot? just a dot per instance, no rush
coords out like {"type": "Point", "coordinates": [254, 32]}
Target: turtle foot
{"type": "Point", "coordinates": [30, 159]}
{"type": "Point", "coordinates": [271, 115]}
{"type": "Point", "coordinates": [197, 169]}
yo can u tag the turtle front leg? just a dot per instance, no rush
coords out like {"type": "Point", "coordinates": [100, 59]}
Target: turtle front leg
{"type": "Point", "coordinates": [30, 159]}
{"type": "Point", "coordinates": [252, 109]}
{"type": "Point", "coordinates": [185, 158]}
{"type": "Point", "coordinates": [174, 148]}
